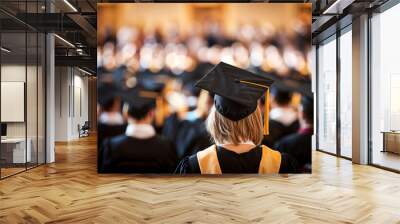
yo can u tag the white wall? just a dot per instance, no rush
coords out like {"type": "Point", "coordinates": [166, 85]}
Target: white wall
{"type": "Point", "coordinates": [80, 110]}
{"type": "Point", "coordinates": [71, 94]}
{"type": "Point", "coordinates": [61, 103]}
{"type": "Point", "coordinates": [33, 126]}
{"type": "Point", "coordinates": [12, 73]}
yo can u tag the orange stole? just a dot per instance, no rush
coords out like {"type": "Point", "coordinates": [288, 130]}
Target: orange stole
{"type": "Point", "coordinates": [209, 164]}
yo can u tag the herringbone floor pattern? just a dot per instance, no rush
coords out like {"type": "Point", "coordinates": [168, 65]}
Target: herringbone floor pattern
{"type": "Point", "coordinates": [70, 191]}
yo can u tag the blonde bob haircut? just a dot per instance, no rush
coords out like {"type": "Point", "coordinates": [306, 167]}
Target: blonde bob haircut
{"type": "Point", "coordinates": [224, 130]}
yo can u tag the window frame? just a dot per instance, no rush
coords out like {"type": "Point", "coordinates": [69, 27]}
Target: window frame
{"type": "Point", "coordinates": [333, 37]}
{"type": "Point", "coordinates": [381, 9]}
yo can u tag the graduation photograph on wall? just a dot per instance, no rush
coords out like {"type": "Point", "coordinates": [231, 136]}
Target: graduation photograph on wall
{"type": "Point", "coordinates": [204, 88]}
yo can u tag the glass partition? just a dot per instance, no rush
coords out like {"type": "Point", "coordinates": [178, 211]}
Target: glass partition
{"type": "Point", "coordinates": [327, 96]}
{"type": "Point", "coordinates": [31, 97]}
{"type": "Point", "coordinates": [41, 96]}
{"type": "Point", "coordinates": [22, 90]}
{"type": "Point", "coordinates": [15, 152]}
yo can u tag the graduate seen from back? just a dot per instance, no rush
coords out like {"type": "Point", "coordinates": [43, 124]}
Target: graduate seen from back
{"type": "Point", "coordinates": [235, 123]}
{"type": "Point", "coordinates": [140, 149]}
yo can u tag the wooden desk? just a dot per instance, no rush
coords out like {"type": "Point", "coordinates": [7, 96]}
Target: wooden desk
{"type": "Point", "coordinates": [391, 141]}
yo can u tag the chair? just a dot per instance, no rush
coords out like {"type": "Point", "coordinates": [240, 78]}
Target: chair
{"type": "Point", "coordinates": [84, 130]}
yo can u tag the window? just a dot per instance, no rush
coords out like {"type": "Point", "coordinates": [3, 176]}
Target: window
{"type": "Point", "coordinates": [327, 96]}
{"type": "Point", "coordinates": [346, 93]}
{"type": "Point", "coordinates": [385, 89]}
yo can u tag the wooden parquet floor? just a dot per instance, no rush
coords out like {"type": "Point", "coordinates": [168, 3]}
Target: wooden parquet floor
{"type": "Point", "coordinates": [70, 191]}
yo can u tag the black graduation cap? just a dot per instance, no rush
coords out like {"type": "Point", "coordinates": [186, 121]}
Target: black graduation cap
{"type": "Point", "coordinates": [106, 93]}
{"type": "Point", "coordinates": [139, 101]}
{"type": "Point", "coordinates": [302, 87]}
{"type": "Point", "coordinates": [236, 91]}
{"type": "Point", "coordinates": [290, 84]}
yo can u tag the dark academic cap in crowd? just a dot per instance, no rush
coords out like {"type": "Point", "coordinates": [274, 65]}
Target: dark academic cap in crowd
{"type": "Point", "coordinates": [289, 84]}
{"type": "Point", "coordinates": [106, 93]}
{"type": "Point", "coordinates": [236, 91]}
{"type": "Point", "coordinates": [140, 101]}
{"type": "Point", "coordinates": [302, 87]}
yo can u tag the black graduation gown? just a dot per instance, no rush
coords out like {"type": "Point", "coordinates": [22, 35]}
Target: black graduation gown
{"type": "Point", "coordinates": [189, 136]}
{"type": "Point", "coordinates": [298, 145]}
{"type": "Point", "coordinates": [232, 162]}
{"type": "Point", "coordinates": [124, 154]}
{"type": "Point", "coordinates": [277, 131]}
{"type": "Point", "coordinates": [105, 131]}
{"type": "Point", "coordinates": [109, 130]}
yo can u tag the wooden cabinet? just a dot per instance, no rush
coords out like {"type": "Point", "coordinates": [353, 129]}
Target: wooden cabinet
{"type": "Point", "coordinates": [391, 141]}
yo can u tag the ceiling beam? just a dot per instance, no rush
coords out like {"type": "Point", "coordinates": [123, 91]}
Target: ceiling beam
{"type": "Point", "coordinates": [89, 30]}
{"type": "Point", "coordinates": [337, 7]}
{"type": "Point", "coordinates": [78, 61]}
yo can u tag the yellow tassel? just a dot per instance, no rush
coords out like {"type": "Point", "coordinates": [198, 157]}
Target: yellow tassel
{"type": "Point", "coordinates": [266, 113]}
{"type": "Point", "coordinates": [254, 84]}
